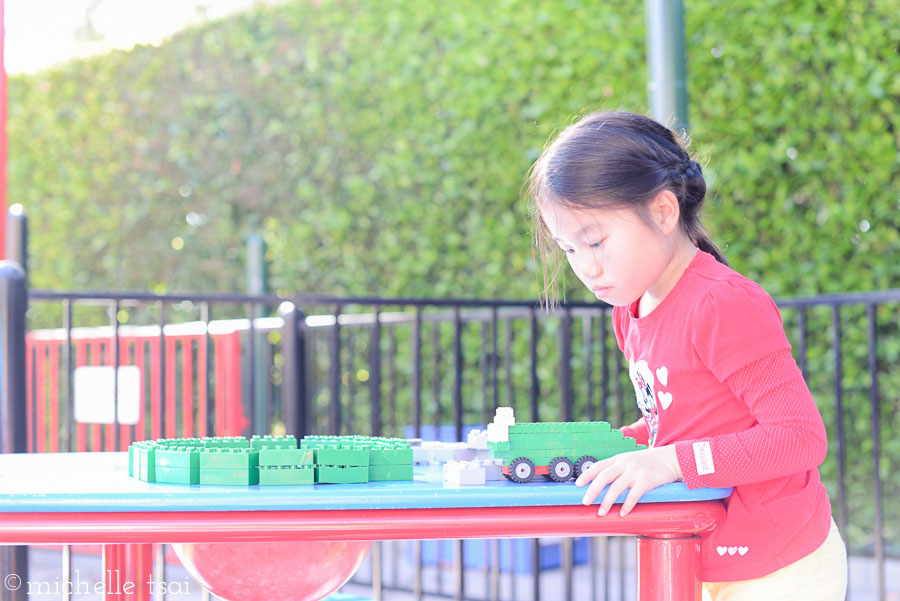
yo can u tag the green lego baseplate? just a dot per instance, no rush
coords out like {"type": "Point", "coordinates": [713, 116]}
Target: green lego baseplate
{"type": "Point", "coordinates": [271, 460]}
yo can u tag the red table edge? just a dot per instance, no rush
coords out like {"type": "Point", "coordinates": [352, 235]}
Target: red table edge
{"type": "Point", "coordinates": [654, 520]}
{"type": "Point", "coordinates": [668, 542]}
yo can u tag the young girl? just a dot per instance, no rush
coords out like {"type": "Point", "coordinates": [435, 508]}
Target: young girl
{"type": "Point", "coordinates": [722, 399]}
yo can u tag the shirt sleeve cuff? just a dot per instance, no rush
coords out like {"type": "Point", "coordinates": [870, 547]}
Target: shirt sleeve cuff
{"type": "Point", "coordinates": [695, 460]}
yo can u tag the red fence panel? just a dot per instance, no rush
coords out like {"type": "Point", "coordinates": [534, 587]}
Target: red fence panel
{"type": "Point", "coordinates": [181, 390]}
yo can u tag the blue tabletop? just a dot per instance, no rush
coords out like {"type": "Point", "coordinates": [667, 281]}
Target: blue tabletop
{"type": "Point", "coordinates": [99, 482]}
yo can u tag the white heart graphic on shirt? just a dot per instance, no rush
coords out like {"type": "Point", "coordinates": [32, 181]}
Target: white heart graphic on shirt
{"type": "Point", "coordinates": [743, 550]}
{"type": "Point", "coordinates": [663, 375]}
{"type": "Point", "coordinates": [721, 550]}
{"type": "Point", "coordinates": [732, 550]}
{"type": "Point", "coordinates": [665, 399]}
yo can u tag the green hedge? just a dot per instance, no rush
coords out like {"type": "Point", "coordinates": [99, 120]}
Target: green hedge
{"type": "Point", "coordinates": [380, 146]}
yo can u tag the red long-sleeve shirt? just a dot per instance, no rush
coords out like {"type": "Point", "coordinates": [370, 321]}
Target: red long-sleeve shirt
{"type": "Point", "coordinates": [713, 375]}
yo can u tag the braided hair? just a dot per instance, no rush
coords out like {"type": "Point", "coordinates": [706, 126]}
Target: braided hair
{"type": "Point", "coordinates": [615, 160]}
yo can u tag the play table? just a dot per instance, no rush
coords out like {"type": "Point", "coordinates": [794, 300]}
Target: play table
{"type": "Point", "coordinates": [79, 498]}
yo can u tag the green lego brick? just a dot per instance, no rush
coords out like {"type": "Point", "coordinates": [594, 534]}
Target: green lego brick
{"type": "Point", "coordinates": [225, 442]}
{"type": "Point", "coordinates": [225, 458]}
{"type": "Point", "coordinates": [290, 457]}
{"type": "Point", "coordinates": [590, 427]}
{"type": "Point", "coordinates": [378, 473]}
{"type": "Point", "coordinates": [554, 440]}
{"type": "Point", "coordinates": [146, 462]}
{"type": "Point", "coordinates": [579, 427]}
{"type": "Point", "coordinates": [538, 457]}
{"type": "Point", "coordinates": [559, 428]}
{"type": "Point", "coordinates": [229, 477]}
{"type": "Point", "coordinates": [178, 457]}
{"type": "Point", "coordinates": [320, 442]}
{"type": "Point", "coordinates": [342, 457]}
{"type": "Point", "coordinates": [175, 475]}
{"type": "Point", "coordinates": [389, 443]}
{"type": "Point", "coordinates": [529, 427]}
{"type": "Point", "coordinates": [180, 442]}
{"type": "Point", "coordinates": [354, 442]}
{"type": "Point", "coordinates": [341, 475]}
{"type": "Point", "coordinates": [273, 442]}
{"type": "Point", "coordinates": [141, 460]}
{"type": "Point", "coordinates": [286, 475]}
{"type": "Point", "coordinates": [390, 456]}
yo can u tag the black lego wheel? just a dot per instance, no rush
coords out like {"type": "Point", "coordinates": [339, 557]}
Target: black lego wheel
{"type": "Point", "coordinates": [521, 470]}
{"type": "Point", "coordinates": [583, 463]}
{"type": "Point", "coordinates": [561, 469]}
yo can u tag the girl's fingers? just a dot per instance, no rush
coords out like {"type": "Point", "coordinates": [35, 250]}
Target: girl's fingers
{"type": "Point", "coordinates": [634, 495]}
{"type": "Point", "coordinates": [615, 489]}
{"type": "Point", "coordinates": [591, 472]}
{"type": "Point", "coordinates": [604, 477]}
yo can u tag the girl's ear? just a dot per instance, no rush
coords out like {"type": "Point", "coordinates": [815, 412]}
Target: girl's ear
{"type": "Point", "coordinates": [666, 211]}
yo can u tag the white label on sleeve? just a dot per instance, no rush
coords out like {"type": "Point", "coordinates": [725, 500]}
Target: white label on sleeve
{"type": "Point", "coordinates": [703, 458]}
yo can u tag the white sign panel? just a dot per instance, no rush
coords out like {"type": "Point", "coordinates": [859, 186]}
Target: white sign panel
{"type": "Point", "coordinates": [94, 398]}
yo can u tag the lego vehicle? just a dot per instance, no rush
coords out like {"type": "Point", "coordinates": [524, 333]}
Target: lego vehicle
{"type": "Point", "coordinates": [557, 450]}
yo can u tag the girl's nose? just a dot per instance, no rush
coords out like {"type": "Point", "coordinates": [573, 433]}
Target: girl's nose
{"type": "Point", "coordinates": [590, 264]}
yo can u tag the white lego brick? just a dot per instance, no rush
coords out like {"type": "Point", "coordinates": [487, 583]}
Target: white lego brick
{"type": "Point", "coordinates": [492, 469]}
{"type": "Point", "coordinates": [482, 454]}
{"type": "Point", "coordinates": [466, 454]}
{"type": "Point", "coordinates": [505, 415]}
{"type": "Point", "coordinates": [463, 473]}
{"type": "Point", "coordinates": [442, 455]}
{"type": "Point", "coordinates": [498, 432]}
{"type": "Point", "coordinates": [436, 452]}
{"type": "Point", "coordinates": [422, 454]}
{"type": "Point", "coordinates": [477, 439]}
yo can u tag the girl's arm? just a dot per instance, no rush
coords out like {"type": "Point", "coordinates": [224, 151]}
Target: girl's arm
{"type": "Point", "coordinates": [789, 436]}
{"type": "Point", "coordinates": [638, 431]}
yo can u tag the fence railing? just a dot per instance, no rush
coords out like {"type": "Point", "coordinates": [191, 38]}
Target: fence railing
{"type": "Point", "coordinates": [226, 364]}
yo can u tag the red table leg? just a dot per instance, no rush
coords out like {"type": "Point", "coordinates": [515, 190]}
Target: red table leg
{"type": "Point", "coordinates": [115, 573]}
{"type": "Point", "coordinates": [145, 568]}
{"type": "Point", "coordinates": [668, 568]}
{"type": "Point", "coordinates": [139, 571]}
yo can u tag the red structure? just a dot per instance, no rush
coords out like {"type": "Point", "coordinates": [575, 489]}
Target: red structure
{"type": "Point", "coordinates": [175, 383]}
{"type": "Point", "coordinates": [668, 557]}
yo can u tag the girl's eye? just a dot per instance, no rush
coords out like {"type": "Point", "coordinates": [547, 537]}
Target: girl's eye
{"type": "Point", "coordinates": [596, 244]}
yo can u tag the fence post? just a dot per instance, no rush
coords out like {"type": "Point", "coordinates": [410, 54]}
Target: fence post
{"type": "Point", "coordinates": [666, 83]}
{"type": "Point", "coordinates": [257, 370]}
{"type": "Point", "coordinates": [13, 429]}
{"type": "Point", "coordinates": [17, 236]}
{"type": "Point", "coordinates": [294, 405]}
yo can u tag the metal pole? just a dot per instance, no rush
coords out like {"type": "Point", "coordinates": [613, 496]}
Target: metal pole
{"type": "Point", "coordinates": [13, 425]}
{"type": "Point", "coordinates": [13, 428]}
{"type": "Point", "coordinates": [17, 236]}
{"type": "Point", "coordinates": [666, 84]}
{"type": "Point", "coordinates": [257, 372]}
{"type": "Point", "coordinates": [293, 378]}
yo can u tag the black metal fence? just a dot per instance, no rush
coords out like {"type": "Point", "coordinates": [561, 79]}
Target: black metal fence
{"type": "Point", "coordinates": [434, 368]}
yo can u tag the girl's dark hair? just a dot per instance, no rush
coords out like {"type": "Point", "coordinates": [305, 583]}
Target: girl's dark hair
{"type": "Point", "coordinates": [615, 160]}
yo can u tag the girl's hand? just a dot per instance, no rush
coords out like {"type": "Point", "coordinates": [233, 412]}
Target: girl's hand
{"type": "Point", "coordinates": [638, 470]}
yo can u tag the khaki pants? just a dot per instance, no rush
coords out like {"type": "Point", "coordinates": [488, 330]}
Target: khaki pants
{"type": "Point", "coordinates": [820, 576]}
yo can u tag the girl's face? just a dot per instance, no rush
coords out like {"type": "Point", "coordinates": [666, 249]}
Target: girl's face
{"type": "Point", "coordinates": [614, 252]}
